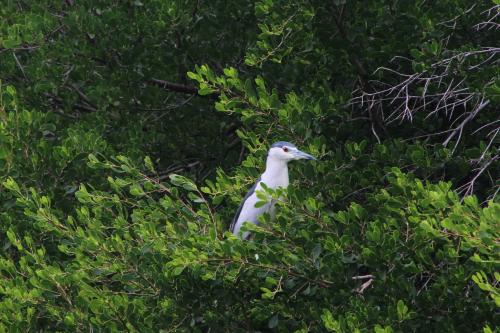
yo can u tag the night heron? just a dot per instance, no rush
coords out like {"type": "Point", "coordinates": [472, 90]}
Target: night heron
{"type": "Point", "coordinates": [274, 177]}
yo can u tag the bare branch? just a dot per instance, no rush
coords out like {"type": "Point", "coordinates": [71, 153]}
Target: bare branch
{"type": "Point", "coordinates": [175, 87]}
{"type": "Point", "coordinates": [492, 15]}
{"type": "Point", "coordinates": [18, 63]}
{"type": "Point", "coordinates": [443, 89]}
{"type": "Point", "coordinates": [363, 277]}
{"type": "Point", "coordinates": [460, 128]}
{"type": "Point", "coordinates": [468, 188]}
{"type": "Point", "coordinates": [82, 96]}
{"type": "Point", "coordinates": [364, 286]}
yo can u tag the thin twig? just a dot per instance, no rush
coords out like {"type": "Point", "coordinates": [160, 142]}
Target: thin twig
{"type": "Point", "coordinates": [19, 65]}
{"type": "Point", "coordinates": [365, 285]}
{"type": "Point", "coordinates": [175, 87]}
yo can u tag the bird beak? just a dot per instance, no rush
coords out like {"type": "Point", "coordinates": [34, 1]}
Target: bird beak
{"type": "Point", "coordinates": [300, 155]}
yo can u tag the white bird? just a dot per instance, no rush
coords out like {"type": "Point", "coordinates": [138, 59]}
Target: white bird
{"type": "Point", "coordinates": [274, 177]}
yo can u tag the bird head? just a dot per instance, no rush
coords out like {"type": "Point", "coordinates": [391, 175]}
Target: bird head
{"type": "Point", "coordinates": [287, 151]}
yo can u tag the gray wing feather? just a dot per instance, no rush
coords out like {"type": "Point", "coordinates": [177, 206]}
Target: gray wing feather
{"type": "Point", "coordinates": [238, 212]}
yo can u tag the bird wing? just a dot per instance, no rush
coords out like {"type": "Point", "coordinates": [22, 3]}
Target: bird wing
{"type": "Point", "coordinates": [238, 212]}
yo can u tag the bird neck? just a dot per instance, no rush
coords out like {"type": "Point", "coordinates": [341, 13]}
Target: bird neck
{"type": "Point", "coordinates": [276, 173]}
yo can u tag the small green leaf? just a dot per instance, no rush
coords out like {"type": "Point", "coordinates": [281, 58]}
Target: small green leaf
{"type": "Point", "coordinates": [417, 54]}
{"type": "Point", "coordinates": [183, 182]}
{"type": "Point", "coordinates": [380, 329]}
{"type": "Point", "coordinates": [205, 91]}
{"type": "Point", "coordinates": [402, 310]}
{"type": "Point", "coordinates": [136, 190]}
{"type": "Point", "coordinates": [11, 184]}
{"type": "Point", "coordinates": [273, 322]}
{"type": "Point", "coordinates": [316, 252]}
{"type": "Point", "coordinates": [330, 323]}
{"type": "Point", "coordinates": [487, 329]}
{"type": "Point", "coordinates": [231, 72]}
{"type": "Point", "coordinates": [11, 90]}
{"type": "Point", "coordinates": [194, 198]}
{"type": "Point", "coordinates": [192, 75]}
{"type": "Point", "coordinates": [149, 164]}
{"type": "Point", "coordinates": [259, 204]}
{"type": "Point", "coordinates": [177, 270]}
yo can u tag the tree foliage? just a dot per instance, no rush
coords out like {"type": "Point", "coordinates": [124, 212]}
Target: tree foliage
{"type": "Point", "coordinates": [130, 130]}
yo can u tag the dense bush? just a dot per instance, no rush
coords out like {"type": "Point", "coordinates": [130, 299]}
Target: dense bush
{"type": "Point", "coordinates": [130, 131]}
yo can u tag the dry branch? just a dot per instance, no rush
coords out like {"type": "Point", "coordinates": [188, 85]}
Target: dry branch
{"type": "Point", "coordinates": [443, 89]}
{"type": "Point", "coordinates": [175, 87]}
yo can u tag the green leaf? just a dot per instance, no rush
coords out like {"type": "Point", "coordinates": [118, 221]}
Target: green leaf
{"type": "Point", "coordinates": [178, 270]}
{"type": "Point", "coordinates": [316, 252]}
{"type": "Point", "coordinates": [330, 323]}
{"type": "Point", "coordinates": [487, 329]}
{"type": "Point", "coordinates": [259, 204]}
{"type": "Point", "coordinates": [380, 329]}
{"type": "Point", "coordinates": [206, 91]}
{"type": "Point", "coordinates": [196, 77]}
{"type": "Point", "coordinates": [417, 54]}
{"type": "Point", "coordinates": [11, 184]}
{"type": "Point", "coordinates": [195, 198]}
{"type": "Point", "coordinates": [11, 42]}
{"type": "Point", "coordinates": [231, 72]}
{"type": "Point", "coordinates": [183, 182]}
{"type": "Point", "coordinates": [10, 90]}
{"type": "Point", "coordinates": [149, 164]}
{"type": "Point", "coordinates": [136, 190]}
{"type": "Point", "coordinates": [402, 310]}
{"type": "Point", "coordinates": [273, 322]}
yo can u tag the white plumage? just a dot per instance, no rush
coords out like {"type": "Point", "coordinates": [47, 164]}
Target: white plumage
{"type": "Point", "coordinates": [275, 176]}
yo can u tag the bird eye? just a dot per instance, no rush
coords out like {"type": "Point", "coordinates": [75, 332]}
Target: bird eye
{"type": "Point", "coordinates": [285, 149]}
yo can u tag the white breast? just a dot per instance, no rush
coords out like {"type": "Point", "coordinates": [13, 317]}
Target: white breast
{"type": "Point", "coordinates": [275, 176]}
{"type": "Point", "coordinates": [250, 213]}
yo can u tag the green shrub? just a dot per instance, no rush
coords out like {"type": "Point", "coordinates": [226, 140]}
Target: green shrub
{"type": "Point", "coordinates": [140, 255]}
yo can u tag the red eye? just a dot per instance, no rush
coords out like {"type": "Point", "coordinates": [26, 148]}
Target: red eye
{"type": "Point", "coordinates": [285, 149]}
